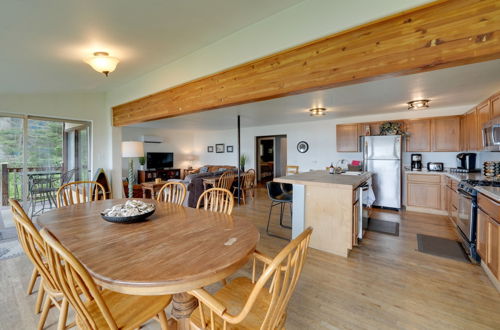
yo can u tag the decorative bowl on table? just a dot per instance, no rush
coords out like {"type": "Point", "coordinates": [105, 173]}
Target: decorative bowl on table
{"type": "Point", "coordinates": [130, 212]}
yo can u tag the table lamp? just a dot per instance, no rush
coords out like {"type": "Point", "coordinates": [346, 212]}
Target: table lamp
{"type": "Point", "coordinates": [130, 150]}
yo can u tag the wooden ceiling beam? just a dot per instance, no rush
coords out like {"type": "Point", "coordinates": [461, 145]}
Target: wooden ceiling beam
{"type": "Point", "coordinates": [434, 36]}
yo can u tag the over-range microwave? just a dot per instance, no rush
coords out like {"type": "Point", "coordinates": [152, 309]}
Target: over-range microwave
{"type": "Point", "coordinates": [491, 135]}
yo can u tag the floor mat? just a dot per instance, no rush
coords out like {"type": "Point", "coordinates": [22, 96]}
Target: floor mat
{"type": "Point", "coordinates": [441, 247]}
{"type": "Point", "coordinates": [10, 249]}
{"type": "Point", "coordinates": [8, 233]}
{"type": "Point", "coordinates": [383, 226]}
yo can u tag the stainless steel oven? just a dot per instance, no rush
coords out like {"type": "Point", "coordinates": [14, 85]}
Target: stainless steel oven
{"type": "Point", "coordinates": [467, 218]}
{"type": "Point", "coordinates": [465, 213]}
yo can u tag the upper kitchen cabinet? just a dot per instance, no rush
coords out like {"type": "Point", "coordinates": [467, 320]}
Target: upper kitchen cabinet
{"type": "Point", "coordinates": [347, 138]}
{"type": "Point", "coordinates": [483, 114]}
{"type": "Point", "coordinates": [495, 105]}
{"type": "Point", "coordinates": [419, 135]}
{"type": "Point", "coordinates": [445, 133]}
{"type": "Point", "coordinates": [471, 128]}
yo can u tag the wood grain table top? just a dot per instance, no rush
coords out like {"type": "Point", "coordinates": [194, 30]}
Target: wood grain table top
{"type": "Point", "coordinates": [176, 250]}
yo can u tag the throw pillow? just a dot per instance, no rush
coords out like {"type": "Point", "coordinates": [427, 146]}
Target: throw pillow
{"type": "Point", "coordinates": [204, 169]}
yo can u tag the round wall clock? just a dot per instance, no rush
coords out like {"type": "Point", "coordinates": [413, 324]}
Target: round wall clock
{"type": "Point", "coordinates": [302, 146]}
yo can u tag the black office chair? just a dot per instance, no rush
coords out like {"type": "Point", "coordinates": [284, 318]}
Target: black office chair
{"type": "Point", "coordinates": [280, 194]}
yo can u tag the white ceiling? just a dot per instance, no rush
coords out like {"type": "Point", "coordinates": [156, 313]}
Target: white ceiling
{"type": "Point", "coordinates": [459, 86]}
{"type": "Point", "coordinates": [42, 43]}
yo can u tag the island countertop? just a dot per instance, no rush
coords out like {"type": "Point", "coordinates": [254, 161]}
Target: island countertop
{"type": "Point", "coordinates": [323, 178]}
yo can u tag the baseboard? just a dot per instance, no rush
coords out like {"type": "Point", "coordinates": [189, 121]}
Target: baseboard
{"type": "Point", "coordinates": [490, 275]}
{"type": "Point", "coordinates": [426, 210]}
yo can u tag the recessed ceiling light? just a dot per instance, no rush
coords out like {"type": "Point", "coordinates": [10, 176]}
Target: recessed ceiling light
{"type": "Point", "coordinates": [102, 62]}
{"type": "Point", "coordinates": [418, 104]}
{"type": "Point", "coordinates": [317, 112]}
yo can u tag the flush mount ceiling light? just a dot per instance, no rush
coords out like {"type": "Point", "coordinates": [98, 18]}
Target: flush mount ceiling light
{"type": "Point", "coordinates": [418, 104]}
{"type": "Point", "coordinates": [102, 62]}
{"type": "Point", "coordinates": [317, 112]}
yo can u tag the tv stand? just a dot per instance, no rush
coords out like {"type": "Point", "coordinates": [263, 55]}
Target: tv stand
{"type": "Point", "coordinates": [164, 174]}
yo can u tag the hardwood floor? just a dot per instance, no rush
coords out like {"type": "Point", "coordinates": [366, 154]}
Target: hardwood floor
{"type": "Point", "coordinates": [385, 283]}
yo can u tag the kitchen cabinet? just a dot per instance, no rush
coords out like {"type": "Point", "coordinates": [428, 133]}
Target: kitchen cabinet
{"type": "Point", "coordinates": [347, 138]}
{"type": "Point", "coordinates": [471, 129]}
{"type": "Point", "coordinates": [483, 113]}
{"type": "Point", "coordinates": [423, 191]}
{"type": "Point", "coordinates": [452, 199]}
{"type": "Point", "coordinates": [495, 106]}
{"type": "Point", "coordinates": [374, 128]}
{"type": "Point", "coordinates": [488, 234]}
{"type": "Point", "coordinates": [445, 133]}
{"type": "Point", "coordinates": [482, 234]}
{"type": "Point", "coordinates": [419, 135]}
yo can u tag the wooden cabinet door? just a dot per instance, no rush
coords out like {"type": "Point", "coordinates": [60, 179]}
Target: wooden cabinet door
{"type": "Point", "coordinates": [482, 234]}
{"type": "Point", "coordinates": [347, 138]}
{"type": "Point", "coordinates": [495, 106]}
{"type": "Point", "coordinates": [419, 135]}
{"type": "Point", "coordinates": [424, 195]}
{"type": "Point", "coordinates": [472, 130]}
{"type": "Point", "coordinates": [464, 135]}
{"type": "Point", "coordinates": [493, 254]}
{"type": "Point", "coordinates": [445, 133]}
{"type": "Point", "coordinates": [483, 114]}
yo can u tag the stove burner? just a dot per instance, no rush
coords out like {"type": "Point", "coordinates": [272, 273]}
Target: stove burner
{"type": "Point", "coordinates": [482, 183]}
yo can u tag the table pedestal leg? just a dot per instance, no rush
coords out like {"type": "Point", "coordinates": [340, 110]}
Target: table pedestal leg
{"type": "Point", "coordinates": [183, 304]}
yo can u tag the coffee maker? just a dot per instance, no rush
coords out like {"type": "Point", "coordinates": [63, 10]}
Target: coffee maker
{"type": "Point", "coordinates": [416, 162]}
{"type": "Point", "coordinates": [466, 161]}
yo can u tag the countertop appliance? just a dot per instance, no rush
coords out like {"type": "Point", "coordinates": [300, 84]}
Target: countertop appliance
{"type": "Point", "coordinates": [491, 135]}
{"type": "Point", "coordinates": [382, 157]}
{"type": "Point", "coordinates": [466, 161]}
{"type": "Point", "coordinates": [466, 216]}
{"type": "Point", "coordinates": [434, 166]}
{"type": "Point", "coordinates": [416, 162]}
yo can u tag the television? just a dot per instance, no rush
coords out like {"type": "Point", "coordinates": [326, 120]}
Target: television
{"type": "Point", "coordinates": [159, 160]}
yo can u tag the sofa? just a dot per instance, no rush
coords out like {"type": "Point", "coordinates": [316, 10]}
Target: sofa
{"type": "Point", "coordinates": [194, 181]}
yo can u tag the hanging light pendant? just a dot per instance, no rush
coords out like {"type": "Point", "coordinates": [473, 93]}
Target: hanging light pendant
{"type": "Point", "coordinates": [102, 62]}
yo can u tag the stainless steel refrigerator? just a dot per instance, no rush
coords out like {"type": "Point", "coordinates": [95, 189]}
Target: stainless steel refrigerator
{"type": "Point", "coordinates": [382, 157]}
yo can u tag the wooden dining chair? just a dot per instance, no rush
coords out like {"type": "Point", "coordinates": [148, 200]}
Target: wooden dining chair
{"type": "Point", "coordinates": [292, 169]}
{"type": "Point", "coordinates": [172, 192]}
{"type": "Point", "coordinates": [95, 308]}
{"type": "Point", "coordinates": [247, 185]}
{"type": "Point", "coordinates": [33, 245]}
{"type": "Point", "coordinates": [226, 180]}
{"type": "Point", "coordinates": [255, 304]}
{"type": "Point", "coordinates": [216, 200]}
{"type": "Point", "coordinates": [79, 192]}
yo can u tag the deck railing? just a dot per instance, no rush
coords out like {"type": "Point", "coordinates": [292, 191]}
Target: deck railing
{"type": "Point", "coordinates": [12, 180]}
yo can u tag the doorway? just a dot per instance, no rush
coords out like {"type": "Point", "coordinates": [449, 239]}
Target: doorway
{"type": "Point", "coordinates": [271, 157]}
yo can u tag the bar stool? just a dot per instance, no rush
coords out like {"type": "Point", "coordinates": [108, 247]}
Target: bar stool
{"type": "Point", "coordinates": [280, 194]}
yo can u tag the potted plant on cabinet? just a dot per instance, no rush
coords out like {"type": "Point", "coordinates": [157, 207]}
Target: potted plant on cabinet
{"type": "Point", "coordinates": [142, 161]}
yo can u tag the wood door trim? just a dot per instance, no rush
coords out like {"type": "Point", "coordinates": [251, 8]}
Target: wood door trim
{"type": "Point", "coordinates": [433, 36]}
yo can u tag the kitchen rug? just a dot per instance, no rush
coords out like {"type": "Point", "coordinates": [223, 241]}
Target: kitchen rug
{"type": "Point", "coordinates": [383, 226]}
{"type": "Point", "coordinates": [441, 247]}
{"type": "Point", "coordinates": [8, 233]}
{"type": "Point", "coordinates": [10, 249]}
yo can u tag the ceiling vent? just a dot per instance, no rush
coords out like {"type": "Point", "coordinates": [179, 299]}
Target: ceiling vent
{"type": "Point", "coordinates": [152, 139]}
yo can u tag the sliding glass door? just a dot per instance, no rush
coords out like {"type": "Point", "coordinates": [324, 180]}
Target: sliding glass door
{"type": "Point", "coordinates": [39, 154]}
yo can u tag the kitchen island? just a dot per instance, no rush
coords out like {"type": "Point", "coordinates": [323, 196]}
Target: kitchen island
{"type": "Point", "coordinates": [330, 204]}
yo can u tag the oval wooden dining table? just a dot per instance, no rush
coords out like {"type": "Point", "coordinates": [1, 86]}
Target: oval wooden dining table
{"type": "Point", "coordinates": [176, 250]}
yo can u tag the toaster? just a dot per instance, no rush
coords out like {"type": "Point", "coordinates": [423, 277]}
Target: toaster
{"type": "Point", "coordinates": [433, 166]}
